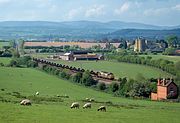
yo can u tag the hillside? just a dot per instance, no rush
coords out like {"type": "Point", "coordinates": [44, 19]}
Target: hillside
{"type": "Point", "coordinates": [146, 33]}
{"type": "Point", "coordinates": [74, 30]}
{"type": "Point", "coordinates": [125, 110]}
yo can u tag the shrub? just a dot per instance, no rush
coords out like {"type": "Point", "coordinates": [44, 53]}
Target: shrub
{"type": "Point", "coordinates": [101, 86]}
{"type": "Point", "coordinates": [77, 77]}
{"type": "Point", "coordinates": [114, 87]}
{"type": "Point", "coordinates": [87, 79]}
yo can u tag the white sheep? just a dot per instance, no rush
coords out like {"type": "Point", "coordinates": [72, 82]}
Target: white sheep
{"type": "Point", "coordinates": [87, 99]}
{"type": "Point", "coordinates": [92, 100]}
{"type": "Point", "coordinates": [25, 102]}
{"type": "Point", "coordinates": [75, 105]}
{"type": "Point", "coordinates": [87, 105]}
{"type": "Point", "coordinates": [102, 108]}
{"type": "Point", "coordinates": [37, 93]}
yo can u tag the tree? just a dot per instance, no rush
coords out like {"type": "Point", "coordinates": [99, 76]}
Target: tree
{"type": "Point", "coordinates": [172, 40]}
{"type": "Point", "coordinates": [101, 86]}
{"type": "Point", "coordinates": [169, 51]}
{"type": "Point", "coordinates": [87, 79]}
{"type": "Point", "coordinates": [77, 77]}
{"type": "Point", "coordinates": [121, 85]}
{"type": "Point", "coordinates": [114, 86]}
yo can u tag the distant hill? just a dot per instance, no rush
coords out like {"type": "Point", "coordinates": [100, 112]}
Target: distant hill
{"type": "Point", "coordinates": [146, 33]}
{"type": "Point", "coordinates": [72, 30]}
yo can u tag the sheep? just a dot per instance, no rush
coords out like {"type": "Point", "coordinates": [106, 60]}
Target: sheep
{"type": "Point", "coordinates": [87, 105]}
{"type": "Point", "coordinates": [37, 93]}
{"type": "Point", "coordinates": [25, 102]}
{"type": "Point", "coordinates": [87, 99]}
{"type": "Point", "coordinates": [75, 105]}
{"type": "Point", "coordinates": [102, 108]}
{"type": "Point", "coordinates": [92, 100]}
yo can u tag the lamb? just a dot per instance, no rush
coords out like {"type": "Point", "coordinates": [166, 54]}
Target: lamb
{"type": "Point", "coordinates": [102, 108]}
{"type": "Point", "coordinates": [87, 105]}
{"type": "Point", "coordinates": [25, 102]}
{"type": "Point", "coordinates": [75, 105]}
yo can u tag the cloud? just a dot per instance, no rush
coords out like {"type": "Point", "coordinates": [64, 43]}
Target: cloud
{"type": "Point", "coordinates": [73, 13]}
{"type": "Point", "coordinates": [95, 10]}
{"type": "Point", "coordinates": [4, 2]}
{"type": "Point", "coordinates": [156, 12]}
{"type": "Point", "coordinates": [125, 7]}
{"type": "Point", "coordinates": [161, 11]}
{"type": "Point", "coordinates": [177, 7]}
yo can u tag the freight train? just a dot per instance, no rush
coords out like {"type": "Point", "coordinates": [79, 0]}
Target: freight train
{"type": "Point", "coordinates": [99, 74]}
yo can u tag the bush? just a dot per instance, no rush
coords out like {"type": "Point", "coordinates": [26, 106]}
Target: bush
{"type": "Point", "coordinates": [87, 79]}
{"type": "Point", "coordinates": [77, 77]}
{"type": "Point", "coordinates": [114, 87]}
{"type": "Point", "coordinates": [101, 86]}
{"type": "Point", "coordinates": [64, 75]}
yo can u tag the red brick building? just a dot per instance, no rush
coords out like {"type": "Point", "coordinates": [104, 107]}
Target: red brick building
{"type": "Point", "coordinates": [165, 88]}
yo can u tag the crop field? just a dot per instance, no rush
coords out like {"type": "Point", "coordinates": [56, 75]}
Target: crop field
{"type": "Point", "coordinates": [118, 68]}
{"type": "Point", "coordinates": [170, 58]}
{"type": "Point", "coordinates": [56, 44]}
{"type": "Point", "coordinates": [16, 83]}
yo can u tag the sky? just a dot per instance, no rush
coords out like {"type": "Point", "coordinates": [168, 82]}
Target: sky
{"type": "Point", "coordinates": [155, 12]}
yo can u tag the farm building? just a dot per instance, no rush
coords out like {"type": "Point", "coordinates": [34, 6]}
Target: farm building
{"type": "Point", "coordinates": [166, 88]}
{"type": "Point", "coordinates": [81, 55]}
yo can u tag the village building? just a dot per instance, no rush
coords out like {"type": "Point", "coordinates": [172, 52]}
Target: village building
{"type": "Point", "coordinates": [81, 55]}
{"type": "Point", "coordinates": [166, 88]}
{"type": "Point", "coordinates": [139, 45]}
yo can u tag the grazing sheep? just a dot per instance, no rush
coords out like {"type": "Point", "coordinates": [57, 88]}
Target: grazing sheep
{"type": "Point", "coordinates": [87, 99]}
{"type": "Point", "coordinates": [25, 102]}
{"type": "Point", "coordinates": [92, 100]}
{"type": "Point", "coordinates": [37, 93]}
{"type": "Point", "coordinates": [75, 105]}
{"type": "Point", "coordinates": [87, 105]}
{"type": "Point", "coordinates": [102, 108]}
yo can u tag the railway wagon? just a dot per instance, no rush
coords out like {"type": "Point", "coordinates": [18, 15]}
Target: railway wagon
{"type": "Point", "coordinates": [105, 75]}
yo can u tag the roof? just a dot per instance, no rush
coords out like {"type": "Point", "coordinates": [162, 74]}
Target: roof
{"type": "Point", "coordinates": [170, 83]}
{"type": "Point", "coordinates": [67, 54]}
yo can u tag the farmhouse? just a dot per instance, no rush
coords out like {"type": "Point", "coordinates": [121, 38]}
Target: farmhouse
{"type": "Point", "coordinates": [80, 55]}
{"type": "Point", "coordinates": [166, 88]}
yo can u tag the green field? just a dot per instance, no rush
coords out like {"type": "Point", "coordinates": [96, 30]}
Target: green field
{"type": "Point", "coordinates": [27, 81]}
{"type": "Point", "coordinates": [4, 60]}
{"type": "Point", "coordinates": [170, 58]}
{"type": "Point", "coordinates": [3, 44]}
{"type": "Point", "coordinates": [118, 68]}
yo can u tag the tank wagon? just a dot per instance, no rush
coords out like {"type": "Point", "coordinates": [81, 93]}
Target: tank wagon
{"type": "Point", "coordinates": [99, 74]}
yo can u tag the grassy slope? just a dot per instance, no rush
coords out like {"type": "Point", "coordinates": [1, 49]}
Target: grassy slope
{"type": "Point", "coordinates": [28, 81]}
{"type": "Point", "coordinates": [119, 69]}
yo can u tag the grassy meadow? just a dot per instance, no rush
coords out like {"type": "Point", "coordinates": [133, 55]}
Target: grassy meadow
{"type": "Point", "coordinates": [3, 44]}
{"type": "Point", "coordinates": [26, 82]}
{"type": "Point", "coordinates": [4, 60]}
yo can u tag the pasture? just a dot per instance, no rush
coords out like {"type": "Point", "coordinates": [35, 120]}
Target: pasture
{"type": "Point", "coordinates": [5, 60]}
{"type": "Point", "coordinates": [3, 44]}
{"type": "Point", "coordinates": [26, 81]}
{"type": "Point", "coordinates": [118, 68]}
